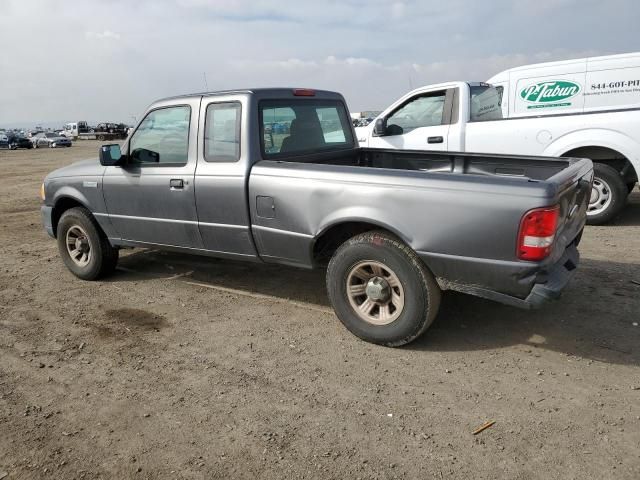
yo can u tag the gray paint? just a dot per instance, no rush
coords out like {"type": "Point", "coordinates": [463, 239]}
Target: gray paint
{"type": "Point", "coordinates": [462, 221]}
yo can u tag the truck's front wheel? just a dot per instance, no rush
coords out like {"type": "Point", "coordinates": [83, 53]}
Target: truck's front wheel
{"type": "Point", "coordinates": [380, 290]}
{"type": "Point", "coordinates": [83, 247]}
{"type": "Point", "coordinates": [608, 194]}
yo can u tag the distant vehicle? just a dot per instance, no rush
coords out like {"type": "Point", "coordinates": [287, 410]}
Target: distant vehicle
{"type": "Point", "coordinates": [50, 139]}
{"type": "Point", "coordinates": [4, 141]}
{"type": "Point", "coordinates": [19, 141]}
{"type": "Point", "coordinates": [119, 130]}
{"type": "Point", "coordinates": [75, 129]}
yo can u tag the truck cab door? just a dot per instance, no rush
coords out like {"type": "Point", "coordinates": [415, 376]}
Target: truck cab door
{"type": "Point", "coordinates": [420, 123]}
{"type": "Point", "coordinates": [221, 177]}
{"type": "Point", "coordinates": [150, 199]}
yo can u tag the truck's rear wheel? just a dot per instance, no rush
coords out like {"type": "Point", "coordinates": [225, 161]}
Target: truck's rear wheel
{"type": "Point", "coordinates": [380, 290]}
{"type": "Point", "coordinates": [608, 194]}
{"type": "Point", "coordinates": [83, 247]}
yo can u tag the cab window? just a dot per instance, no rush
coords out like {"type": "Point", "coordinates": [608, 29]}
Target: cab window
{"type": "Point", "coordinates": [486, 103]}
{"type": "Point", "coordinates": [162, 137]}
{"type": "Point", "coordinates": [290, 127]}
{"type": "Point", "coordinates": [222, 132]}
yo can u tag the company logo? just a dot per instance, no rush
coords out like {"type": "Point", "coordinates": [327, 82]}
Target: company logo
{"type": "Point", "coordinates": [551, 91]}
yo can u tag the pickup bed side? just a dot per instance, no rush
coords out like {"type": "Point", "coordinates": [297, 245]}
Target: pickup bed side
{"type": "Point", "coordinates": [464, 227]}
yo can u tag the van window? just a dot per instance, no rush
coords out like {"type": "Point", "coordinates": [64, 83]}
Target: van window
{"type": "Point", "coordinates": [298, 126]}
{"type": "Point", "coordinates": [486, 103]}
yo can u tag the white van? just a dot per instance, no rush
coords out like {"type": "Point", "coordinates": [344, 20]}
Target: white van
{"type": "Point", "coordinates": [581, 108]}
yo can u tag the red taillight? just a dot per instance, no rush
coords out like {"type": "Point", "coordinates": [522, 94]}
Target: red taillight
{"type": "Point", "coordinates": [537, 233]}
{"type": "Point", "coordinates": [304, 92]}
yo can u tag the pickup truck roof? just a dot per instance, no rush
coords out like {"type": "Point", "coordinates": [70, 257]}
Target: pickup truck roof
{"type": "Point", "coordinates": [266, 92]}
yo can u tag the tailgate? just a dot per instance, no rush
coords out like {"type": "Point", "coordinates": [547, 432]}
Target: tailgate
{"type": "Point", "coordinates": [573, 188]}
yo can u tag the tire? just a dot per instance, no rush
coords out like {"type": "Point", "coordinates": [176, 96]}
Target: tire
{"type": "Point", "coordinates": [382, 256]}
{"type": "Point", "coordinates": [608, 195]}
{"type": "Point", "coordinates": [631, 186]}
{"type": "Point", "coordinates": [101, 137]}
{"type": "Point", "coordinates": [101, 258]}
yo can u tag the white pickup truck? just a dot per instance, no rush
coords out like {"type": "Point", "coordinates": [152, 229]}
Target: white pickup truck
{"type": "Point", "coordinates": [579, 108]}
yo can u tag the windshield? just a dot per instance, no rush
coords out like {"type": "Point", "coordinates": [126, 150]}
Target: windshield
{"type": "Point", "coordinates": [51, 135]}
{"type": "Point", "coordinates": [297, 126]}
{"type": "Point", "coordinates": [486, 103]}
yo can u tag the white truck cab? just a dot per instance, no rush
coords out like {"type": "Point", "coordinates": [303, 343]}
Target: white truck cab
{"type": "Point", "coordinates": [588, 107]}
{"type": "Point", "coordinates": [74, 129]}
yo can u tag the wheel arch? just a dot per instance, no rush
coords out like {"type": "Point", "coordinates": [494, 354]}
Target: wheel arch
{"type": "Point", "coordinates": [334, 234]}
{"type": "Point", "coordinates": [601, 146]}
{"type": "Point", "coordinates": [63, 203]}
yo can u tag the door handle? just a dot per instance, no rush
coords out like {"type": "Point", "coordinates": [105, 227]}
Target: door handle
{"type": "Point", "coordinates": [435, 140]}
{"type": "Point", "coordinates": [176, 183]}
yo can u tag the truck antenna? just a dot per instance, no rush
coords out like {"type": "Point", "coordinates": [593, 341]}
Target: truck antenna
{"type": "Point", "coordinates": [206, 86]}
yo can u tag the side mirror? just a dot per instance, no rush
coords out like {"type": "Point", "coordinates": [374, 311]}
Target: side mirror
{"type": "Point", "coordinates": [380, 127]}
{"type": "Point", "coordinates": [110, 155]}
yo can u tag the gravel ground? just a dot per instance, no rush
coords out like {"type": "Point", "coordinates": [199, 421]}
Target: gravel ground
{"type": "Point", "coordinates": [187, 367]}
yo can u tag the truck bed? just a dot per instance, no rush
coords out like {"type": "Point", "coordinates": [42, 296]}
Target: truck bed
{"type": "Point", "coordinates": [460, 212]}
{"type": "Point", "coordinates": [528, 167]}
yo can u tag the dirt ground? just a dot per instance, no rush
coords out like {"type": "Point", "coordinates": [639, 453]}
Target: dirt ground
{"type": "Point", "coordinates": [187, 367]}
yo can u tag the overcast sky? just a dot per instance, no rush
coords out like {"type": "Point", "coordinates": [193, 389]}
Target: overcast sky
{"type": "Point", "coordinates": [106, 60]}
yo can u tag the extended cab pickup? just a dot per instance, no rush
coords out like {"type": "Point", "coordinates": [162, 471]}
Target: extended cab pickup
{"type": "Point", "coordinates": [276, 176]}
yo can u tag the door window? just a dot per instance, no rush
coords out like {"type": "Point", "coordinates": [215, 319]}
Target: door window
{"type": "Point", "coordinates": [425, 111]}
{"type": "Point", "coordinates": [162, 137]}
{"type": "Point", "coordinates": [222, 132]}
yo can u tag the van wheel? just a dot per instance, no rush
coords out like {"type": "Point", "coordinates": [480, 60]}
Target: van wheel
{"type": "Point", "coordinates": [84, 249]}
{"type": "Point", "coordinates": [608, 194]}
{"type": "Point", "coordinates": [380, 290]}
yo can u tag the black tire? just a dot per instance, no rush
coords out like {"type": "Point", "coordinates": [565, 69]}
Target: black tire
{"type": "Point", "coordinates": [103, 258]}
{"type": "Point", "coordinates": [101, 137]}
{"type": "Point", "coordinates": [613, 183]}
{"type": "Point", "coordinates": [419, 288]}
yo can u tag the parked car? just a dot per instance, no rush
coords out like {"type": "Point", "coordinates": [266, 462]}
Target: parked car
{"type": "Point", "coordinates": [393, 227]}
{"type": "Point", "coordinates": [50, 139]}
{"type": "Point", "coordinates": [4, 141]}
{"type": "Point", "coordinates": [19, 141]}
{"type": "Point", "coordinates": [588, 108]}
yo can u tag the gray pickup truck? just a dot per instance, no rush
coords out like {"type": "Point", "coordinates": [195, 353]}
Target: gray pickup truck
{"type": "Point", "coordinates": [276, 176]}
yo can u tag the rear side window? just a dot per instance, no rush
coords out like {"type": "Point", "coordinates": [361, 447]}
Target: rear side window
{"type": "Point", "coordinates": [222, 132]}
{"type": "Point", "coordinates": [304, 126]}
{"type": "Point", "coordinates": [162, 137]}
{"type": "Point", "coordinates": [486, 103]}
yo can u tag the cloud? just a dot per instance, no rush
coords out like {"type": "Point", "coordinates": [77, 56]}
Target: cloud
{"type": "Point", "coordinates": [105, 35]}
{"type": "Point", "coordinates": [126, 54]}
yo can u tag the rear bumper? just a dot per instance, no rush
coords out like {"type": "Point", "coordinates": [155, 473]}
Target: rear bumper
{"type": "Point", "coordinates": [47, 219]}
{"type": "Point", "coordinates": [548, 285]}
{"type": "Point", "coordinates": [557, 278]}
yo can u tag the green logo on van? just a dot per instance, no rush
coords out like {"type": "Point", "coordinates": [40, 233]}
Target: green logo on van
{"type": "Point", "coordinates": [551, 91]}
